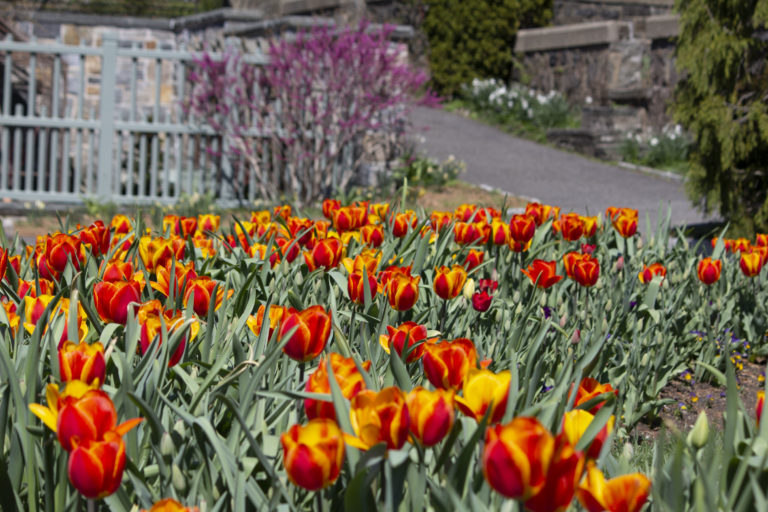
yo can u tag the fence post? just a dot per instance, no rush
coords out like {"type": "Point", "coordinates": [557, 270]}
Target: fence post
{"type": "Point", "coordinates": [107, 115]}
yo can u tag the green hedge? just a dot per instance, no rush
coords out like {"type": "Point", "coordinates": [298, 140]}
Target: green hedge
{"type": "Point", "coordinates": [476, 39]}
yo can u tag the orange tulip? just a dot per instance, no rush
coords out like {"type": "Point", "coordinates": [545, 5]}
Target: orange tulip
{"type": "Point", "coordinates": [182, 275]}
{"type": "Point", "coordinates": [313, 453]}
{"type": "Point", "coordinates": [626, 493]}
{"type": "Point", "coordinates": [325, 254]}
{"type": "Point", "coordinates": [541, 212]}
{"type": "Point", "coordinates": [276, 314]}
{"type": "Point", "coordinates": [348, 377]}
{"type": "Point", "coordinates": [646, 275]}
{"type": "Point", "coordinates": [708, 270]}
{"type": "Point", "coordinates": [751, 263]}
{"type": "Point", "coordinates": [201, 289]}
{"type": "Point", "coordinates": [372, 235]}
{"type": "Point", "coordinates": [151, 316]}
{"type": "Point", "coordinates": [474, 258]}
{"type": "Point", "coordinates": [431, 414]}
{"type": "Point", "coordinates": [447, 363]}
{"type": "Point", "coordinates": [516, 457]}
{"type": "Point", "coordinates": [542, 273]}
{"type": "Point", "coordinates": [81, 413]}
{"type": "Point", "coordinates": [576, 422]}
{"type": "Point", "coordinates": [562, 477]}
{"type": "Point", "coordinates": [402, 291]}
{"type": "Point", "coordinates": [356, 286]}
{"type": "Point", "coordinates": [313, 327]}
{"type": "Point", "coordinates": [95, 467]}
{"type": "Point", "coordinates": [379, 418]}
{"type": "Point", "coordinates": [407, 337]}
{"type": "Point", "coordinates": [61, 249]}
{"type": "Point", "coordinates": [499, 232]}
{"type": "Point", "coordinates": [82, 362]}
{"type": "Point", "coordinates": [588, 389]}
{"type": "Point", "coordinates": [482, 390]}
{"type": "Point", "coordinates": [449, 282]}
{"type": "Point", "coordinates": [96, 238]}
{"type": "Point", "coordinates": [113, 300]}
{"type": "Point", "coordinates": [759, 405]}
{"type": "Point", "coordinates": [522, 228]}
{"type": "Point", "coordinates": [170, 505]}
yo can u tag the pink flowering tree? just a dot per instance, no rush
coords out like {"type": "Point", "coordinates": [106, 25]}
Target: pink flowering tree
{"type": "Point", "coordinates": [321, 93]}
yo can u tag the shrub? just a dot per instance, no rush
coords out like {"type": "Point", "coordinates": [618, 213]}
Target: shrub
{"type": "Point", "coordinates": [321, 93]}
{"type": "Point", "coordinates": [476, 39]}
{"type": "Point", "coordinates": [721, 101]}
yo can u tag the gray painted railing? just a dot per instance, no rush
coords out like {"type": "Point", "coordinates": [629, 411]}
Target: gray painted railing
{"type": "Point", "coordinates": [54, 150]}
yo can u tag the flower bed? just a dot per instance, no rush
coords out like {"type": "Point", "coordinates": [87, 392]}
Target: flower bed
{"type": "Point", "coordinates": [382, 358]}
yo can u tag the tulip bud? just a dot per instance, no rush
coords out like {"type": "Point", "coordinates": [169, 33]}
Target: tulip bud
{"type": "Point", "coordinates": [699, 434]}
{"type": "Point", "coordinates": [516, 297]}
{"type": "Point", "coordinates": [620, 263]}
{"type": "Point", "coordinates": [469, 289]}
{"type": "Point", "coordinates": [628, 451]}
{"type": "Point", "coordinates": [563, 319]}
{"type": "Point", "coordinates": [576, 337]}
{"type": "Point", "coordinates": [178, 479]}
{"type": "Point", "coordinates": [519, 309]}
{"type": "Point", "coordinates": [645, 359]}
{"type": "Point", "coordinates": [639, 243]}
{"type": "Point", "coordinates": [166, 445]}
{"type": "Point", "coordinates": [179, 428]}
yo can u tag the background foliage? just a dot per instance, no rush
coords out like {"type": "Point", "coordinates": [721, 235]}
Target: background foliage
{"type": "Point", "coordinates": [476, 39]}
{"type": "Point", "coordinates": [722, 50]}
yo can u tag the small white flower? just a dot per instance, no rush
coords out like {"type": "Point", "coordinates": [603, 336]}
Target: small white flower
{"type": "Point", "coordinates": [588, 100]}
{"type": "Point", "coordinates": [654, 141]}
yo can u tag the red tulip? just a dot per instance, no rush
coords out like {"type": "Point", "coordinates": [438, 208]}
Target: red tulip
{"type": "Point", "coordinates": [708, 270]}
{"type": "Point", "coordinates": [542, 273]}
{"type": "Point", "coordinates": [113, 300]}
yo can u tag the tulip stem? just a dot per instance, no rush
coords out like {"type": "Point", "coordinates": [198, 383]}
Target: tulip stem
{"type": "Point", "coordinates": [91, 505]}
{"type": "Point", "coordinates": [442, 316]}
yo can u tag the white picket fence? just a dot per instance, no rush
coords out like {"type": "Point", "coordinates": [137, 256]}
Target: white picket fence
{"type": "Point", "coordinates": [66, 155]}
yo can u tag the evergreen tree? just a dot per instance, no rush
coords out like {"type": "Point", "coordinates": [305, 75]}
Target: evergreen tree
{"type": "Point", "coordinates": [476, 38]}
{"type": "Point", "coordinates": [723, 101]}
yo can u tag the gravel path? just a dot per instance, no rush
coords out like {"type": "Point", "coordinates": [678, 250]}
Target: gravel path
{"type": "Point", "coordinates": [555, 177]}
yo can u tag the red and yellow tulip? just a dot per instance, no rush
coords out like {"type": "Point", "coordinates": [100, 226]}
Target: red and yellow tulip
{"type": "Point", "coordinates": [626, 493]}
{"type": "Point", "coordinates": [709, 270]}
{"type": "Point", "coordinates": [312, 329]}
{"type": "Point", "coordinates": [348, 377]}
{"type": "Point", "coordinates": [379, 417]}
{"type": "Point", "coordinates": [542, 273]}
{"type": "Point", "coordinates": [82, 362]}
{"type": "Point", "coordinates": [449, 282]}
{"type": "Point", "coordinates": [447, 363]}
{"type": "Point", "coordinates": [409, 337]}
{"type": "Point", "coordinates": [484, 390]}
{"type": "Point", "coordinates": [313, 453]}
{"type": "Point", "coordinates": [431, 414]}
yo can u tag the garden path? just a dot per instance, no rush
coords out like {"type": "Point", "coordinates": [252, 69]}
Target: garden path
{"type": "Point", "coordinates": [527, 169]}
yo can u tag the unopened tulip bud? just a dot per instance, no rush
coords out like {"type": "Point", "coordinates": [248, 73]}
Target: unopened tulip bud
{"type": "Point", "coordinates": [469, 289]}
{"type": "Point", "coordinates": [178, 479]}
{"type": "Point", "coordinates": [628, 451]}
{"type": "Point", "coordinates": [576, 337]}
{"type": "Point", "coordinates": [620, 263]}
{"type": "Point", "coordinates": [639, 243]}
{"type": "Point", "coordinates": [699, 434]}
{"type": "Point", "coordinates": [180, 429]}
{"type": "Point", "coordinates": [519, 309]}
{"type": "Point", "coordinates": [563, 319]}
{"type": "Point", "coordinates": [494, 275]}
{"type": "Point", "coordinates": [166, 445]}
{"type": "Point", "coordinates": [516, 297]}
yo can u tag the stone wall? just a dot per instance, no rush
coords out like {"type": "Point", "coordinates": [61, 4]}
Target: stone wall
{"type": "Point", "coordinates": [577, 11]}
{"type": "Point", "coordinates": [629, 63]}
